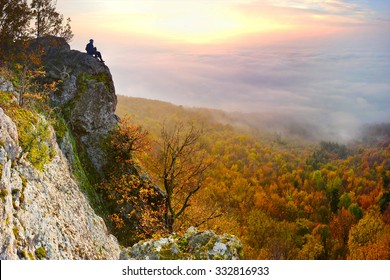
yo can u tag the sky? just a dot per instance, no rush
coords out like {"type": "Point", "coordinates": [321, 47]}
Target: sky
{"type": "Point", "coordinates": [323, 61]}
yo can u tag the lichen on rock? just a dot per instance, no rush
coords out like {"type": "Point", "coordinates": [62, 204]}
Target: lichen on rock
{"type": "Point", "coordinates": [193, 245]}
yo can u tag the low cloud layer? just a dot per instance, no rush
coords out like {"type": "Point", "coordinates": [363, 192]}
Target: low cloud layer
{"type": "Point", "coordinates": [335, 89]}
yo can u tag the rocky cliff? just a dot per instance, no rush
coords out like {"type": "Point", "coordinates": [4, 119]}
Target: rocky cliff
{"type": "Point", "coordinates": [43, 184]}
{"type": "Point", "coordinates": [44, 215]}
{"type": "Point", "coordinates": [87, 97]}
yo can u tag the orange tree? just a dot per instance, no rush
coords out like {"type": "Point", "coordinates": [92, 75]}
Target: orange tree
{"type": "Point", "coordinates": [136, 206]}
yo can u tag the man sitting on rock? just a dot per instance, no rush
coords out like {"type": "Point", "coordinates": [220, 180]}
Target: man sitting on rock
{"type": "Point", "coordinates": [91, 50]}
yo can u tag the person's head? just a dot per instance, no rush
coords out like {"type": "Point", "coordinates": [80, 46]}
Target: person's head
{"type": "Point", "coordinates": [91, 40]}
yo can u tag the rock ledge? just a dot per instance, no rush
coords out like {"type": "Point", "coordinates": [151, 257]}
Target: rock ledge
{"type": "Point", "coordinates": [193, 245]}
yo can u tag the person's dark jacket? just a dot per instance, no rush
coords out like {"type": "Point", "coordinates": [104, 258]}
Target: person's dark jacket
{"type": "Point", "coordinates": [90, 48]}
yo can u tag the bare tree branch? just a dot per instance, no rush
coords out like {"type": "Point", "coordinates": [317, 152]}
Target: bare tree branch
{"type": "Point", "coordinates": [180, 164]}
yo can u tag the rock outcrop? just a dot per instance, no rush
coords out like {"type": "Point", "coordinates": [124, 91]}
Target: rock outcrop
{"type": "Point", "coordinates": [44, 215]}
{"type": "Point", "coordinates": [87, 98]}
{"type": "Point", "coordinates": [6, 85]}
{"type": "Point", "coordinates": [193, 245]}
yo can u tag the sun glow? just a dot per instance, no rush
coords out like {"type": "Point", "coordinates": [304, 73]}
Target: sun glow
{"type": "Point", "coordinates": [187, 21]}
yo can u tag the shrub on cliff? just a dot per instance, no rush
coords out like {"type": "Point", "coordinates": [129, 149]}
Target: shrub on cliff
{"type": "Point", "coordinates": [135, 205]}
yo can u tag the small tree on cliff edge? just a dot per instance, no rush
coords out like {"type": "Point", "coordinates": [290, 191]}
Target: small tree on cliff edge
{"type": "Point", "coordinates": [136, 207]}
{"type": "Point", "coordinates": [180, 164]}
{"type": "Point", "coordinates": [48, 21]}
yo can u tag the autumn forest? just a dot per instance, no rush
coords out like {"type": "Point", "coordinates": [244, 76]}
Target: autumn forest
{"type": "Point", "coordinates": [284, 197]}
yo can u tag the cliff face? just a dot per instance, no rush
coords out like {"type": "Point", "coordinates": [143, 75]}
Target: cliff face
{"type": "Point", "coordinates": [44, 215]}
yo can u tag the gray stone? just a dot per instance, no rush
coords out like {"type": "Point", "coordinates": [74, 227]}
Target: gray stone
{"type": "Point", "coordinates": [46, 209]}
{"type": "Point", "coordinates": [8, 137]}
{"type": "Point", "coordinates": [6, 85]}
{"type": "Point", "coordinates": [193, 245]}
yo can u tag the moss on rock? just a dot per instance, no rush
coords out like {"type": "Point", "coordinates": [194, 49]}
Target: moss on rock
{"type": "Point", "coordinates": [34, 136]}
{"type": "Point", "coordinates": [40, 253]}
{"type": "Point", "coordinates": [194, 245]}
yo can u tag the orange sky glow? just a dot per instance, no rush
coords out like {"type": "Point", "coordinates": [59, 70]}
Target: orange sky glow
{"type": "Point", "coordinates": [212, 22]}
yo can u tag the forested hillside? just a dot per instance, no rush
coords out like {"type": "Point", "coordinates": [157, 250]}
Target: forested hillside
{"type": "Point", "coordinates": [283, 196]}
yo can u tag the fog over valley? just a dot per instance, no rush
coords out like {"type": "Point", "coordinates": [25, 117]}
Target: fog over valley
{"type": "Point", "coordinates": [333, 93]}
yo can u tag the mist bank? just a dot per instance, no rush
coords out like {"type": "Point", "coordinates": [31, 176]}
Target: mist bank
{"type": "Point", "coordinates": [311, 91]}
{"type": "Point", "coordinates": [339, 87]}
{"type": "Point", "coordinates": [310, 127]}
{"type": "Point", "coordinates": [281, 126]}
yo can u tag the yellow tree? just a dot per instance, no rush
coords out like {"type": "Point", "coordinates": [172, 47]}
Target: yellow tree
{"type": "Point", "coordinates": [370, 238]}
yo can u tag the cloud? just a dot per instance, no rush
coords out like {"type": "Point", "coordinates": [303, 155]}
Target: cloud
{"type": "Point", "coordinates": [334, 89]}
{"type": "Point", "coordinates": [317, 14]}
{"type": "Point", "coordinates": [336, 7]}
